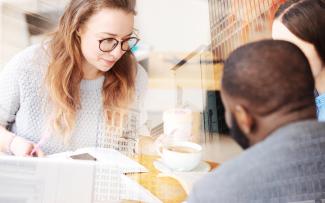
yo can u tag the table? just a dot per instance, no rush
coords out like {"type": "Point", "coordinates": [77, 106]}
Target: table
{"type": "Point", "coordinates": [167, 189]}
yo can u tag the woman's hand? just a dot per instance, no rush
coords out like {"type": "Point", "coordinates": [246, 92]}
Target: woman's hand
{"type": "Point", "coordinates": [22, 147]}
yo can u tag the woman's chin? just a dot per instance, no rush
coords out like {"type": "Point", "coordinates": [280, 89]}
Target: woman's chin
{"type": "Point", "coordinates": [105, 68]}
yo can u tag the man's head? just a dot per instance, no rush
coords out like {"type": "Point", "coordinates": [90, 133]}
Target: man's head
{"type": "Point", "coordinates": [265, 85]}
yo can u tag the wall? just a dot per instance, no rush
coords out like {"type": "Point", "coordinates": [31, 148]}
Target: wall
{"type": "Point", "coordinates": [173, 25]}
{"type": "Point", "coordinates": [14, 35]}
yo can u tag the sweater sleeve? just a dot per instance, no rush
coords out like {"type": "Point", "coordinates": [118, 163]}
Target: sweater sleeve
{"type": "Point", "coordinates": [12, 78]}
{"type": "Point", "coordinates": [320, 103]}
{"type": "Point", "coordinates": [9, 90]}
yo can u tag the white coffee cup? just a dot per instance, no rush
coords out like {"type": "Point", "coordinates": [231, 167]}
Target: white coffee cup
{"type": "Point", "coordinates": [181, 156]}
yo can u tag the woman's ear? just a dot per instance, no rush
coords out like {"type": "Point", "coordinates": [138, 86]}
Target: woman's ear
{"type": "Point", "coordinates": [244, 120]}
{"type": "Point", "coordinates": [79, 31]}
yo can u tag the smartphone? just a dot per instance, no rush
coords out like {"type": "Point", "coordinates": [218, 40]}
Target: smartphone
{"type": "Point", "coordinates": [84, 156]}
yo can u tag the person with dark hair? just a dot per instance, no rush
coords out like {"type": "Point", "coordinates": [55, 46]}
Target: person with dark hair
{"type": "Point", "coordinates": [267, 89]}
{"type": "Point", "coordinates": [302, 22]}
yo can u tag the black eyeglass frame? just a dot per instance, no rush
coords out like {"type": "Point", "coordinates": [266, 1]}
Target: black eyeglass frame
{"type": "Point", "coordinates": [117, 42]}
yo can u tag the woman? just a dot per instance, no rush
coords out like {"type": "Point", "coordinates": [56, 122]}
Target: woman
{"type": "Point", "coordinates": [302, 22]}
{"type": "Point", "coordinates": [77, 89]}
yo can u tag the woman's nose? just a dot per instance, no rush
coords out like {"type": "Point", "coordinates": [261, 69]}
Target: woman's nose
{"type": "Point", "coordinates": [117, 52]}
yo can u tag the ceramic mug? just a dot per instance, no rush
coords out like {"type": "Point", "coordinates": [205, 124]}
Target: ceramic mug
{"type": "Point", "coordinates": [181, 155]}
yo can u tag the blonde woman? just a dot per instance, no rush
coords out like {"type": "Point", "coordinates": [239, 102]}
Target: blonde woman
{"type": "Point", "coordinates": [71, 91]}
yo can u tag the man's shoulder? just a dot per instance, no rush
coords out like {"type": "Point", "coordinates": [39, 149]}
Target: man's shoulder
{"type": "Point", "coordinates": [302, 131]}
{"type": "Point", "coordinates": [267, 165]}
{"type": "Point", "coordinates": [305, 125]}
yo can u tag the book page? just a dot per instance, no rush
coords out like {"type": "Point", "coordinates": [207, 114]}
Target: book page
{"type": "Point", "coordinates": [106, 156]}
{"type": "Point", "coordinates": [38, 180]}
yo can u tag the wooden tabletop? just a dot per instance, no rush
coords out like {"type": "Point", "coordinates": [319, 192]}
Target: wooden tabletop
{"type": "Point", "coordinates": [167, 189]}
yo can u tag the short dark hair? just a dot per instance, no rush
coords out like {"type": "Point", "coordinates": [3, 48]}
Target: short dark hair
{"type": "Point", "coordinates": [269, 75]}
{"type": "Point", "coordinates": [306, 20]}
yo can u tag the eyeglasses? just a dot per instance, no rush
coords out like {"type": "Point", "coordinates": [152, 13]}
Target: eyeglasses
{"type": "Point", "coordinates": [109, 44]}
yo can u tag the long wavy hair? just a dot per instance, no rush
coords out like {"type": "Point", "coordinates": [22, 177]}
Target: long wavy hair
{"type": "Point", "coordinates": [65, 73]}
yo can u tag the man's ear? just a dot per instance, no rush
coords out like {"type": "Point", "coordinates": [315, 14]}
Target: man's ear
{"type": "Point", "coordinates": [244, 120]}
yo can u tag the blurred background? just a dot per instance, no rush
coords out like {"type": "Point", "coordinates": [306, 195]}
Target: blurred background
{"type": "Point", "coordinates": [183, 46]}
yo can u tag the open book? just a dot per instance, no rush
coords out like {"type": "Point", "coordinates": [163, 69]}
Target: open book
{"type": "Point", "coordinates": [103, 156]}
{"type": "Point", "coordinates": [61, 179]}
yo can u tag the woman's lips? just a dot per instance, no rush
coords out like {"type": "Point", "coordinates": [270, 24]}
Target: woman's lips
{"type": "Point", "coordinates": [108, 62]}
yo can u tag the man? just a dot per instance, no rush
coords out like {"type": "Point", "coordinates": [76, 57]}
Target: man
{"type": "Point", "coordinates": [267, 90]}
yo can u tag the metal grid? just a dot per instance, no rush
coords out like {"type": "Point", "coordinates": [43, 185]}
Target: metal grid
{"type": "Point", "coordinates": [236, 22]}
{"type": "Point", "coordinates": [107, 183]}
{"type": "Point", "coordinates": [121, 133]}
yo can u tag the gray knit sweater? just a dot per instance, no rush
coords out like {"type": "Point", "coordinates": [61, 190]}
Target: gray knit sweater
{"type": "Point", "coordinates": [24, 107]}
{"type": "Point", "coordinates": [288, 166]}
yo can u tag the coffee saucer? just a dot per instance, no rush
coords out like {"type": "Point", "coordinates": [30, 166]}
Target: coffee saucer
{"type": "Point", "coordinates": [162, 167]}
